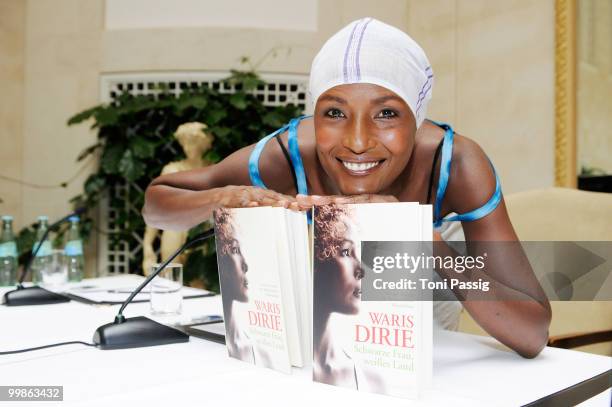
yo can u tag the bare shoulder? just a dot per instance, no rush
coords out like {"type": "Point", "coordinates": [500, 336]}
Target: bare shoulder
{"type": "Point", "coordinates": [428, 138]}
{"type": "Point", "coordinates": [472, 177]}
{"type": "Point", "coordinates": [306, 135]}
{"type": "Point", "coordinates": [274, 168]}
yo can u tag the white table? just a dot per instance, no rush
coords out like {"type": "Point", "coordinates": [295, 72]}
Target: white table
{"type": "Point", "coordinates": [468, 370]}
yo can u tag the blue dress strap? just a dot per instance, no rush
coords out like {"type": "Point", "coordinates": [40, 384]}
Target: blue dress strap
{"type": "Point", "coordinates": [485, 209]}
{"type": "Point", "coordinates": [256, 153]}
{"type": "Point", "coordinates": [296, 157]}
{"type": "Point", "coordinates": [445, 167]}
{"type": "Point", "coordinates": [294, 154]}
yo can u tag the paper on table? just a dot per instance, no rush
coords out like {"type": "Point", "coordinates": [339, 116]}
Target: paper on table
{"type": "Point", "coordinates": [119, 296]}
{"type": "Point", "coordinates": [116, 289]}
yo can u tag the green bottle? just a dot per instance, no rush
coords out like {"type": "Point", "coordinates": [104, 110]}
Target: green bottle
{"type": "Point", "coordinates": [43, 257]}
{"type": "Point", "coordinates": [8, 253]}
{"type": "Point", "coordinates": [73, 251]}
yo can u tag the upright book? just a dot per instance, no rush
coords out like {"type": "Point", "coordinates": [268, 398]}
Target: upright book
{"type": "Point", "coordinates": [375, 346]}
{"type": "Point", "coordinates": [264, 274]}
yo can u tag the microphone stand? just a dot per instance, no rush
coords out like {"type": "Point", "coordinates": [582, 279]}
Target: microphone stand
{"type": "Point", "coordinates": [138, 332]}
{"type": "Point", "coordinates": [37, 295]}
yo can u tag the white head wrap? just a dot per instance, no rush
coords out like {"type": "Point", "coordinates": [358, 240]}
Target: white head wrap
{"type": "Point", "coordinates": [370, 51]}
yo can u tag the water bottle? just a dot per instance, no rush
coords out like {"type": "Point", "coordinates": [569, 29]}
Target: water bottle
{"type": "Point", "coordinates": [8, 253]}
{"type": "Point", "coordinates": [43, 257]}
{"type": "Point", "coordinates": [73, 251]}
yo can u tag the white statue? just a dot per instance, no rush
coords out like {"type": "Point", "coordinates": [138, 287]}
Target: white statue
{"type": "Point", "coordinates": [195, 142]}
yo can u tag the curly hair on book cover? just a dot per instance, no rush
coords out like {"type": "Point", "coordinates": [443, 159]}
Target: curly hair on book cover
{"type": "Point", "coordinates": [225, 231]}
{"type": "Point", "coordinates": [330, 230]}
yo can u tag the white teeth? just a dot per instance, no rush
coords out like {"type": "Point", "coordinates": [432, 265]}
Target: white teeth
{"type": "Point", "coordinates": [360, 166]}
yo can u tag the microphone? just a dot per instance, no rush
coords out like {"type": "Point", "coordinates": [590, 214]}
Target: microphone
{"type": "Point", "coordinates": [37, 295]}
{"type": "Point", "coordinates": [141, 331]}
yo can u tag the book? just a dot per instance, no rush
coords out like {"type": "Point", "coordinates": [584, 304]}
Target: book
{"type": "Point", "coordinates": [376, 346]}
{"type": "Point", "coordinates": [292, 295]}
{"type": "Point", "coordinates": [264, 275]}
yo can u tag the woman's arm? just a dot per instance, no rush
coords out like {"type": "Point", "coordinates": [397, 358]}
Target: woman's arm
{"type": "Point", "coordinates": [182, 200]}
{"type": "Point", "coordinates": [516, 310]}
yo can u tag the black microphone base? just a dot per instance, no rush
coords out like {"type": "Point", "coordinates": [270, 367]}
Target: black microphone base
{"type": "Point", "coordinates": [33, 296]}
{"type": "Point", "coordinates": [135, 333]}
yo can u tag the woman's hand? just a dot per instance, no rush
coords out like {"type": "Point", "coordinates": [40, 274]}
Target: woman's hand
{"type": "Point", "coordinates": [305, 202]}
{"type": "Point", "coordinates": [243, 196]}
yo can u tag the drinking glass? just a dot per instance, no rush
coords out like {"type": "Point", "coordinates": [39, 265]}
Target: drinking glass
{"type": "Point", "coordinates": [166, 296]}
{"type": "Point", "coordinates": [55, 273]}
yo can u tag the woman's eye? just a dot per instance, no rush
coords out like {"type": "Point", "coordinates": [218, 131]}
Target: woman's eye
{"type": "Point", "coordinates": [235, 250]}
{"type": "Point", "coordinates": [386, 114]}
{"type": "Point", "coordinates": [334, 113]}
{"type": "Point", "coordinates": [345, 252]}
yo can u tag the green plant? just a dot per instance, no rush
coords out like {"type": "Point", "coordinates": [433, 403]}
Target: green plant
{"type": "Point", "coordinates": [135, 140]}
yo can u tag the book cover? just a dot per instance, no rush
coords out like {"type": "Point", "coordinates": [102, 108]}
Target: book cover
{"type": "Point", "coordinates": [374, 346]}
{"type": "Point", "coordinates": [251, 287]}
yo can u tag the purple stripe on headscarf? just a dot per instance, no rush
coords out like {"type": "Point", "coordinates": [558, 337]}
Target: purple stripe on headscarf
{"type": "Point", "coordinates": [346, 53]}
{"type": "Point", "coordinates": [429, 76]}
{"type": "Point", "coordinates": [419, 104]}
{"type": "Point", "coordinates": [424, 91]}
{"type": "Point", "coordinates": [424, 94]}
{"type": "Point", "coordinates": [357, 66]}
{"type": "Point", "coordinates": [350, 65]}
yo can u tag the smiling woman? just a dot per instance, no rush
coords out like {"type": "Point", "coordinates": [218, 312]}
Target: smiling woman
{"type": "Point", "coordinates": [383, 127]}
{"type": "Point", "coordinates": [369, 141]}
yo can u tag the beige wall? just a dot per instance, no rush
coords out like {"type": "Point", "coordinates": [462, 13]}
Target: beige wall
{"type": "Point", "coordinates": [493, 63]}
{"type": "Point", "coordinates": [12, 61]}
{"type": "Point", "coordinates": [287, 15]}
{"type": "Point", "coordinates": [595, 84]}
{"type": "Point", "coordinates": [494, 67]}
{"type": "Point", "coordinates": [216, 48]}
{"type": "Point", "coordinates": [61, 78]}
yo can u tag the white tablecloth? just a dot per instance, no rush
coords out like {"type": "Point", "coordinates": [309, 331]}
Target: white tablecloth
{"type": "Point", "coordinates": [468, 370]}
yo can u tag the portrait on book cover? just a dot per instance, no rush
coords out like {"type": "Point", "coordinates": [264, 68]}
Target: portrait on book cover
{"type": "Point", "coordinates": [337, 275]}
{"type": "Point", "coordinates": [242, 280]}
{"type": "Point", "coordinates": [234, 284]}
